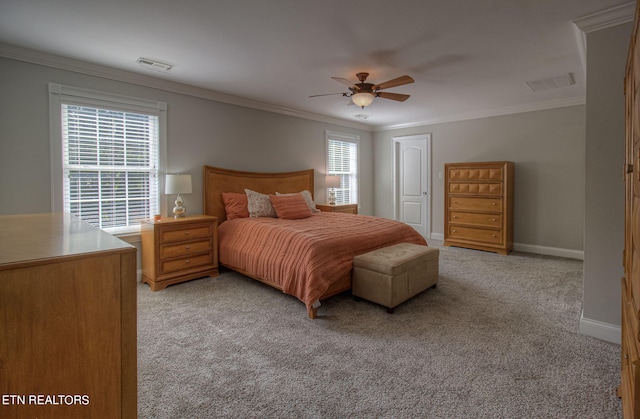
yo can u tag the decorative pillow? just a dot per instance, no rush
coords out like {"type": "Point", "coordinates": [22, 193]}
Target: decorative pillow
{"type": "Point", "coordinates": [235, 205]}
{"type": "Point", "coordinates": [291, 207]}
{"type": "Point", "coordinates": [307, 197]}
{"type": "Point", "coordinates": [259, 205]}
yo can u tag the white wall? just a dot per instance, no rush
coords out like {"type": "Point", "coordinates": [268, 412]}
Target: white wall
{"type": "Point", "coordinates": [200, 132]}
{"type": "Point", "coordinates": [547, 148]}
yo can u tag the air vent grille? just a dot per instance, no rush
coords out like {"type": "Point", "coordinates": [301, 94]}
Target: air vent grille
{"type": "Point", "coordinates": [557, 82]}
{"type": "Point", "coordinates": [154, 65]}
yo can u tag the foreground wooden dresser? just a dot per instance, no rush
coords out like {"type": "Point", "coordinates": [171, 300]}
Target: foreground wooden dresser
{"type": "Point", "coordinates": [479, 206]}
{"type": "Point", "coordinates": [67, 320]}
{"type": "Point", "coordinates": [629, 389]}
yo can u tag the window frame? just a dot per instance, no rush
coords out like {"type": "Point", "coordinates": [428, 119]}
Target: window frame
{"type": "Point", "coordinates": [347, 138]}
{"type": "Point", "coordinates": [59, 95]}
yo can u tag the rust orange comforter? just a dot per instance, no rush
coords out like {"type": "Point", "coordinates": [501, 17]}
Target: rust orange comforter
{"type": "Point", "coordinates": [304, 257]}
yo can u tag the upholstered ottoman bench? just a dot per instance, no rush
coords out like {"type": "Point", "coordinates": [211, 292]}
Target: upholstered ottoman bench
{"type": "Point", "coordinates": [391, 275]}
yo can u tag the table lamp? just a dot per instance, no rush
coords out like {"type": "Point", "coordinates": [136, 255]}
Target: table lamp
{"type": "Point", "coordinates": [332, 182]}
{"type": "Point", "coordinates": [177, 184]}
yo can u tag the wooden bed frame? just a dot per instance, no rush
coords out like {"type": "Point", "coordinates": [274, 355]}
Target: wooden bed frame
{"type": "Point", "coordinates": [216, 181]}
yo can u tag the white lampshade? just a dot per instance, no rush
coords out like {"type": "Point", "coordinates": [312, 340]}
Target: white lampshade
{"type": "Point", "coordinates": [177, 184]}
{"type": "Point", "coordinates": [332, 182]}
{"type": "Point", "coordinates": [362, 99]}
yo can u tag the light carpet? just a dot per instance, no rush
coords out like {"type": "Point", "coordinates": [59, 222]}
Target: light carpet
{"type": "Point", "coordinates": [498, 338]}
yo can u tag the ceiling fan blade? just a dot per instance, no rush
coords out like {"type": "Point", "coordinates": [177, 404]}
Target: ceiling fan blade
{"type": "Point", "coordinates": [393, 96]}
{"type": "Point", "coordinates": [346, 82]}
{"type": "Point", "coordinates": [398, 81]}
{"type": "Point", "coordinates": [328, 94]}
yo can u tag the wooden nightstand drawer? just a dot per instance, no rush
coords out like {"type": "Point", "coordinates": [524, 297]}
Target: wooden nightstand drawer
{"type": "Point", "coordinates": [189, 233]}
{"type": "Point", "coordinates": [175, 265]}
{"type": "Point", "coordinates": [185, 249]}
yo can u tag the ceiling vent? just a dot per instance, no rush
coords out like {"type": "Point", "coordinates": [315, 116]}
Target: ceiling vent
{"type": "Point", "coordinates": [557, 82]}
{"type": "Point", "coordinates": [154, 65]}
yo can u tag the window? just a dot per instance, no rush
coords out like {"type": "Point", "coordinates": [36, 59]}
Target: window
{"type": "Point", "coordinates": [342, 161]}
{"type": "Point", "coordinates": [109, 157]}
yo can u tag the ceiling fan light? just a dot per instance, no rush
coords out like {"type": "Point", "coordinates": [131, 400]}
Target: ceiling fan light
{"type": "Point", "coordinates": [362, 99]}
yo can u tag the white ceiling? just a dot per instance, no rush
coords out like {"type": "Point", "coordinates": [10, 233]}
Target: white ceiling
{"type": "Point", "coordinates": [469, 58]}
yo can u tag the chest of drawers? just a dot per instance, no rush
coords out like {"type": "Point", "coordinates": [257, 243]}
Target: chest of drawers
{"type": "Point", "coordinates": [178, 249]}
{"type": "Point", "coordinates": [479, 206]}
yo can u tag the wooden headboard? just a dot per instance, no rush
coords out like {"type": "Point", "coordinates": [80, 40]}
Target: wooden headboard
{"type": "Point", "coordinates": [216, 181]}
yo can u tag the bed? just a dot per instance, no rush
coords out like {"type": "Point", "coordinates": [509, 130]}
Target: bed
{"type": "Point", "coordinates": [310, 258]}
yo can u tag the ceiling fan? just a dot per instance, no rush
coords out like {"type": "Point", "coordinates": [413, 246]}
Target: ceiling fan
{"type": "Point", "coordinates": [363, 94]}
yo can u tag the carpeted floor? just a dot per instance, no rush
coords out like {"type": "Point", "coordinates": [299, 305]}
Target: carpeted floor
{"type": "Point", "coordinates": [498, 338]}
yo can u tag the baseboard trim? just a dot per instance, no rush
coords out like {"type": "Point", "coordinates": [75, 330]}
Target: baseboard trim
{"type": "Point", "coordinates": [600, 330]}
{"type": "Point", "coordinates": [532, 248]}
{"type": "Point", "coordinates": [550, 251]}
{"type": "Point", "coordinates": [437, 236]}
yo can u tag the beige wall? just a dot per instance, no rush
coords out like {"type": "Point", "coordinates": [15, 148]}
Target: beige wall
{"type": "Point", "coordinates": [547, 148]}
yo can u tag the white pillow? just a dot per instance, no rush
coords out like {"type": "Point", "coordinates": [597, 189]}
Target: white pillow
{"type": "Point", "coordinates": [259, 205]}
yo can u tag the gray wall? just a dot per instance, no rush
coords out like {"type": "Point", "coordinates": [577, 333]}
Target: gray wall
{"type": "Point", "coordinates": [604, 201]}
{"type": "Point", "coordinates": [200, 132]}
{"type": "Point", "coordinates": [547, 148]}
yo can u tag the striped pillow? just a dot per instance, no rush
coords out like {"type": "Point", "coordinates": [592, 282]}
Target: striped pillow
{"type": "Point", "coordinates": [290, 207]}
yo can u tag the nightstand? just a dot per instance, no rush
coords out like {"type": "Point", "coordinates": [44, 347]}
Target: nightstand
{"type": "Point", "coordinates": [175, 250]}
{"type": "Point", "coordinates": [346, 208]}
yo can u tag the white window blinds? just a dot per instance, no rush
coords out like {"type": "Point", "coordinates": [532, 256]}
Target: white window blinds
{"type": "Point", "coordinates": [110, 165]}
{"type": "Point", "coordinates": [342, 161]}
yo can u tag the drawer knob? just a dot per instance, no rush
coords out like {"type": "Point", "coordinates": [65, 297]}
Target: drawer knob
{"type": "Point", "coordinates": [493, 203]}
{"type": "Point", "coordinates": [493, 235]}
{"type": "Point", "coordinates": [187, 247]}
{"type": "Point", "coordinates": [493, 219]}
{"type": "Point", "coordinates": [186, 233]}
{"type": "Point", "coordinates": [455, 231]}
{"type": "Point", "coordinates": [455, 216]}
{"type": "Point", "coordinates": [187, 261]}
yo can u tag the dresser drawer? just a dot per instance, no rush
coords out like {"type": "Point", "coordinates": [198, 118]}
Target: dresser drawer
{"type": "Point", "coordinates": [475, 234]}
{"type": "Point", "coordinates": [475, 204]}
{"type": "Point", "coordinates": [488, 220]}
{"type": "Point", "coordinates": [195, 231]}
{"type": "Point", "coordinates": [185, 249]}
{"type": "Point", "coordinates": [176, 265]}
{"type": "Point", "coordinates": [461, 173]}
{"type": "Point", "coordinates": [476, 188]}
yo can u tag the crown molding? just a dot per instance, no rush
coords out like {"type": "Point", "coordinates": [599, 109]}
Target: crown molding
{"type": "Point", "coordinates": [63, 63]}
{"type": "Point", "coordinates": [606, 18]}
{"type": "Point", "coordinates": [82, 67]}
{"type": "Point", "coordinates": [488, 113]}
